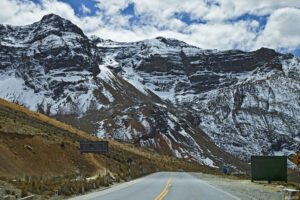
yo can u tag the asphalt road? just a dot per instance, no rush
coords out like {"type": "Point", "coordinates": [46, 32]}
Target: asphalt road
{"type": "Point", "coordinates": [162, 185]}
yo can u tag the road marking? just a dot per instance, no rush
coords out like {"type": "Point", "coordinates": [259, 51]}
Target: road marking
{"type": "Point", "coordinates": [165, 191]}
{"type": "Point", "coordinates": [164, 194]}
{"type": "Point", "coordinates": [220, 190]}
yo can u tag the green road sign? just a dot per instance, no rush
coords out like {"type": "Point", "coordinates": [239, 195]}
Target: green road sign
{"type": "Point", "coordinates": [94, 147]}
{"type": "Point", "coordinates": [269, 168]}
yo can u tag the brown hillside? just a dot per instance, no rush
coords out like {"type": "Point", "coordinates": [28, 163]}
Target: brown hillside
{"type": "Point", "coordinates": [33, 144]}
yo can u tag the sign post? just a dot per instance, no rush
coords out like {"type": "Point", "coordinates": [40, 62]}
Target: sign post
{"type": "Point", "coordinates": [106, 170]}
{"type": "Point", "coordinates": [141, 167]}
{"type": "Point", "coordinates": [92, 147]}
{"type": "Point", "coordinates": [56, 195]}
{"type": "Point", "coordinates": [129, 161]}
{"type": "Point", "coordinates": [80, 176]}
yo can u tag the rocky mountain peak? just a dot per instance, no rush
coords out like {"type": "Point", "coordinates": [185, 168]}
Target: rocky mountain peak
{"type": "Point", "coordinates": [55, 24]}
{"type": "Point", "coordinates": [171, 41]}
{"type": "Point", "coordinates": [52, 17]}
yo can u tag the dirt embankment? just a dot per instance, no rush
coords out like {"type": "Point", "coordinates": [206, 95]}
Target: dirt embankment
{"type": "Point", "coordinates": [38, 156]}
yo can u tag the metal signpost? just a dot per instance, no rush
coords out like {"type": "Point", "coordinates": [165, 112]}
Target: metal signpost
{"type": "Point", "coordinates": [56, 195]}
{"type": "Point", "coordinates": [129, 161]}
{"type": "Point", "coordinates": [92, 147]}
{"type": "Point", "coordinates": [141, 167]}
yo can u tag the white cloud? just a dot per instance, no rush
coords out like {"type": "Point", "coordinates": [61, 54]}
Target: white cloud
{"type": "Point", "coordinates": [222, 36]}
{"type": "Point", "coordinates": [282, 30]}
{"type": "Point", "coordinates": [112, 7]}
{"type": "Point", "coordinates": [84, 9]}
{"type": "Point", "coordinates": [156, 18]}
{"type": "Point", "coordinates": [19, 13]}
{"type": "Point", "coordinates": [16, 12]}
{"type": "Point", "coordinates": [231, 9]}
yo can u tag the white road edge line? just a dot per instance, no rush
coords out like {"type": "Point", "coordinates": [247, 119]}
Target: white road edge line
{"type": "Point", "coordinates": [218, 189]}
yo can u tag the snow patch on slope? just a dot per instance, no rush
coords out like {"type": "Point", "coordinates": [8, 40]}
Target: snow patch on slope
{"type": "Point", "coordinates": [14, 89]}
{"type": "Point", "coordinates": [105, 73]}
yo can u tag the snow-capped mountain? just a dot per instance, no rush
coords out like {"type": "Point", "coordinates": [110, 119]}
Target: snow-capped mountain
{"type": "Point", "coordinates": [247, 103]}
{"type": "Point", "coordinates": [160, 93]}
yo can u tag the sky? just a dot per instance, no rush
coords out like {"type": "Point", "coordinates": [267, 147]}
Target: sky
{"type": "Point", "coordinates": [210, 24]}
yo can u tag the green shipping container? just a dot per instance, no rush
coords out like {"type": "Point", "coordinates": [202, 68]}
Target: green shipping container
{"type": "Point", "coordinates": [269, 168]}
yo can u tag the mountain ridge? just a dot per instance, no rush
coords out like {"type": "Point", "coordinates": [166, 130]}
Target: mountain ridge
{"type": "Point", "coordinates": [161, 93]}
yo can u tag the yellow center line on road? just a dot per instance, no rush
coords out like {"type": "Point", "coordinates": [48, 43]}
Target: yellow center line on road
{"type": "Point", "coordinates": [165, 191]}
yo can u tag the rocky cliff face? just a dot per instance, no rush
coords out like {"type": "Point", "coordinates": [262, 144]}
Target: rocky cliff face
{"type": "Point", "coordinates": [259, 115]}
{"type": "Point", "coordinates": [160, 93]}
{"type": "Point", "coordinates": [247, 103]}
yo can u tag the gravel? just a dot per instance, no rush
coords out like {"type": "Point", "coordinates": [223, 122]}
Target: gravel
{"type": "Point", "coordinates": [244, 189]}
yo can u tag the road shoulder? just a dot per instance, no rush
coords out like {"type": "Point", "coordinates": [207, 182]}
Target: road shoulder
{"type": "Point", "coordinates": [243, 189]}
{"type": "Point", "coordinates": [106, 190]}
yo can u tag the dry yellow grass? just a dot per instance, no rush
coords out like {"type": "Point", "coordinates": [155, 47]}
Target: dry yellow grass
{"type": "Point", "coordinates": [69, 128]}
{"type": "Point", "coordinates": [45, 119]}
{"type": "Point", "coordinates": [66, 127]}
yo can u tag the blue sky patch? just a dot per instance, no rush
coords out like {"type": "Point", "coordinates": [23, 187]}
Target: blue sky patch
{"type": "Point", "coordinates": [77, 6]}
{"type": "Point", "coordinates": [262, 20]}
{"type": "Point", "coordinates": [186, 18]}
{"type": "Point", "coordinates": [129, 10]}
{"type": "Point", "coordinates": [296, 52]}
{"type": "Point", "coordinates": [212, 3]}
